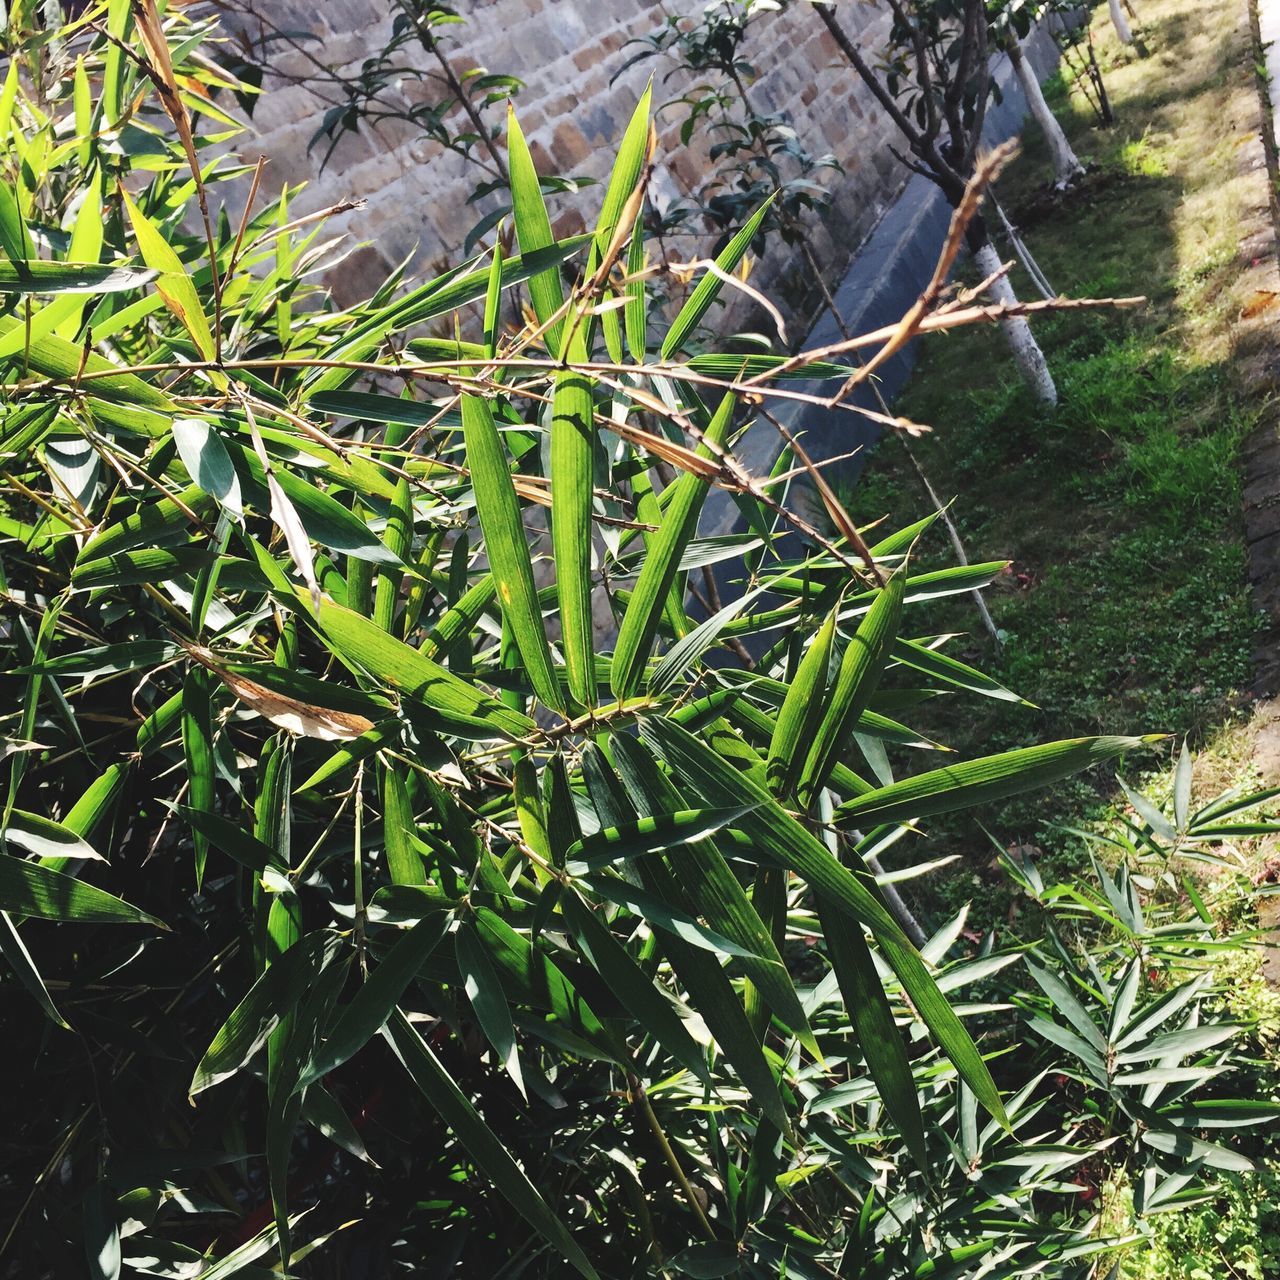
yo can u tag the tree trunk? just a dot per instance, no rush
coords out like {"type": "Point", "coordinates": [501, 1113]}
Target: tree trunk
{"type": "Point", "coordinates": [1066, 167]}
{"type": "Point", "coordinates": [1120, 22]}
{"type": "Point", "coordinates": [1026, 351]}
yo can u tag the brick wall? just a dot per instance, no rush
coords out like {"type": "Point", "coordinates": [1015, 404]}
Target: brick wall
{"type": "Point", "coordinates": [567, 53]}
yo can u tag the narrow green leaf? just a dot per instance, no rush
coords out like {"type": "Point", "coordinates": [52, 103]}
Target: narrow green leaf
{"type": "Point", "coordinates": [573, 436]}
{"type": "Point", "coordinates": [275, 994]}
{"type": "Point", "coordinates": [487, 1000]}
{"type": "Point", "coordinates": [985, 780]}
{"type": "Point", "coordinates": [460, 708]}
{"type": "Point", "coordinates": [284, 1107]}
{"type": "Point", "coordinates": [1174, 1000]}
{"type": "Point", "coordinates": [657, 911]}
{"type": "Point", "coordinates": [15, 953]}
{"type": "Point", "coordinates": [724, 904]}
{"type": "Point", "coordinates": [636, 312]}
{"type": "Point", "coordinates": [70, 277]}
{"type": "Point", "coordinates": [1179, 1044]}
{"type": "Point", "coordinates": [718, 364]}
{"type": "Point", "coordinates": [708, 288]}
{"type": "Point", "coordinates": [1187, 1148]}
{"type": "Point", "coordinates": [651, 835]}
{"type": "Point", "coordinates": [173, 282]}
{"type": "Point", "coordinates": [1220, 1113]}
{"type": "Point", "coordinates": [208, 463]}
{"type": "Point", "coordinates": [942, 666]}
{"type": "Point", "coordinates": [15, 239]}
{"type": "Point", "coordinates": [322, 1111]}
{"type": "Point", "coordinates": [101, 1233]}
{"type": "Point", "coordinates": [349, 754]}
{"type": "Point", "coordinates": [28, 889]}
{"type": "Point", "coordinates": [404, 862]}
{"type": "Point", "coordinates": [543, 983]}
{"type": "Point", "coordinates": [662, 564]}
{"type": "Point", "coordinates": [1065, 1002]}
{"type": "Point", "coordinates": [376, 1000]}
{"type": "Point", "coordinates": [479, 1141]}
{"type": "Point", "coordinates": [46, 838]}
{"type": "Point", "coordinates": [774, 834]}
{"type": "Point", "coordinates": [857, 679]}
{"type": "Point", "coordinates": [506, 545]}
{"type": "Point", "coordinates": [801, 713]}
{"type": "Point", "coordinates": [533, 230]}
{"type": "Point", "coordinates": [872, 1018]}
{"type": "Point", "coordinates": [650, 1007]}
{"type": "Point", "coordinates": [197, 748]}
{"type": "Point", "coordinates": [232, 839]}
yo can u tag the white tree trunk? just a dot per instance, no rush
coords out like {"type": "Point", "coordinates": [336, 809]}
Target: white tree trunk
{"type": "Point", "coordinates": [1066, 166]}
{"type": "Point", "coordinates": [1120, 22]}
{"type": "Point", "coordinates": [1026, 351]}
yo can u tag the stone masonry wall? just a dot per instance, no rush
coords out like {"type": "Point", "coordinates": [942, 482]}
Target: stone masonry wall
{"type": "Point", "coordinates": [567, 53]}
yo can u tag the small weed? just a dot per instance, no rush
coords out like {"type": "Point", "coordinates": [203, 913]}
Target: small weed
{"type": "Point", "coordinates": [1142, 158]}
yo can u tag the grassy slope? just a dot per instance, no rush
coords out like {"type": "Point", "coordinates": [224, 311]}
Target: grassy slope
{"type": "Point", "coordinates": [1126, 608]}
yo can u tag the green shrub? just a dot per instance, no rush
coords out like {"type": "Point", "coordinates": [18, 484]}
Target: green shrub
{"type": "Point", "coordinates": [444, 863]}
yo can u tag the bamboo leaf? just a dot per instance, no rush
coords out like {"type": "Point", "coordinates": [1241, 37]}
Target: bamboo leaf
{"type": "Point", "coordinates": [533, 230]}
{"type": "Point", "coordinates": [197, 748]}
{"type": "Point", "coordinates": [233, 840]}
{"type": "Point", "coordinates": [651, 835]}
{"type": "Point", "coordinates": [377, 998]}
{"type": "Point", "coordinates": [801, 713]}
{"type": "Point", "coordinates": [28, 889]}
{"type": "Point", "coordinates": [275, 994]}
{"type": "Point", "coordinates": [648, 1005]}
{"type": "Point", "coordinates": [15, 239]}
{"type": "Point", "coordinates": [36, 276]}
{"type": "Point", "coordinates": [774, 834]}
{"type": "Point", "coordinates": [506, 545]}
{"type": "Point", "coordinates": [1179, 1044]}
{"type": "Point", "coordinates": [284, 1106]}
{"type": "Point", "coordinates": [479, 1141]}
{"type": "Point", "coordinates": [911, 653]}
{"type": "Point", "coordinates": [15, 952]}
{"type": "Point", "coordinates": [46, 838]}
{"type": "Point", "coordinates": [404, 863]}
{"type": "Point", "coordinates": [1187, 1148]}
{"type": "Point", "coordinates": [172, 280]}
{"type": "Point", "coordinates": [662, 564]}
{"type": "Point", "coordinates": [878, 1035]}
{"type": "Point", "coordinates": [985, 780]}
{"type": "Point", "coordinates": [573, 438]}
{"type": "Point", "coordinates": [487, 1001]}
{"type": "Point", "coordinates": [208, 463]}
{"type": "Point", "coordinates": [101, 1233]}
{"type": "Point", "coordinates": [855, 682]}
{"type": "Point", "coordinates": [655, 910]}
{"type": "Point", "coordinates": [542, 981]}
{"type": "Point", "coordinates": [708, 288]}
{"type": "Point", "coordinates": [459, 707]}
{"type": "Point", "coordinates": [636, 313]}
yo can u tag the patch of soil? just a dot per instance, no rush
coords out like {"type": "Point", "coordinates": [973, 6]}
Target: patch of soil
{"type": "Point", "coordinates": [1049, 201]}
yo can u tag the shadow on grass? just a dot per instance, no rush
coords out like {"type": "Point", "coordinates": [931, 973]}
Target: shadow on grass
{"type": "Point", "coordinates": [1126, 607]}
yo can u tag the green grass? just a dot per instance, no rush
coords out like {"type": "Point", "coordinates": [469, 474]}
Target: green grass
{"type": "Point", "coordinates": [1236, 1233]}
{"type": "Point", "coordinates": [1126, 607]}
